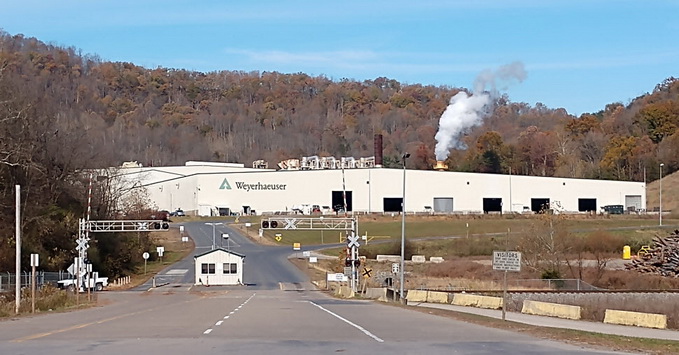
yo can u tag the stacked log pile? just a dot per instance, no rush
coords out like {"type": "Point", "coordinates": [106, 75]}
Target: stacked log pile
{"type": "Point", "coordinates": [662, 258]}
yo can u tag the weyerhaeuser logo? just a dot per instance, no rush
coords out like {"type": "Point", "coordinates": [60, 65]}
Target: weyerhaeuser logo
{"type": "Point", "coordinates": [240, 185]}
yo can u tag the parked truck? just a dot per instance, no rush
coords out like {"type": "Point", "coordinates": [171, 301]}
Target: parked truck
{"type": "Point", "coordinates": [93, 282]}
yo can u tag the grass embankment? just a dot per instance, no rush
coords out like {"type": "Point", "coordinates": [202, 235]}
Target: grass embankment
{"type": "Point", "coordinates": [47, 299]}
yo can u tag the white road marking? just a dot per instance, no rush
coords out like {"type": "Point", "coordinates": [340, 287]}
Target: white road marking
{"type": "Point", "coordinates": [177, 272]}
{"type": "Point", "coordinates": [350, 323]}
{"type": "Point", "coordinates": [232, 312]}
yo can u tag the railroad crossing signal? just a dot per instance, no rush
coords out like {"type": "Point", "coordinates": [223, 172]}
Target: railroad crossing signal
{"type": "Point", "coordinates": [352, 241]}
{"type": "Point", "coordinates": [367, 273]}
{"type": "Point", "coordinates": [82, 244]}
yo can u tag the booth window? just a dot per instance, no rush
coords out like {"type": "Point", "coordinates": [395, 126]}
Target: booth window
{"type": "Point", "coordinates": [230, 268]}
{"type": "Point", "coordinates": [207, 268]}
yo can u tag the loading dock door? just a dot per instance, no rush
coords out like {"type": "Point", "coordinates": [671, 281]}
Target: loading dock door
{"type": "Point", "coordinates": [492, 205]}
{"type": "Point", "coordinates": [538, 205]}
{"type": "Point", "coordinates": [393, 204]}
{"type": "Point", "coordinates": [338, 200]}
{"type": "Point", "coordinates": [586, 204]}
{"type": "Point", "coordinates": [443, 204]}
{"type": "Point", "coordinates": [633, 203]}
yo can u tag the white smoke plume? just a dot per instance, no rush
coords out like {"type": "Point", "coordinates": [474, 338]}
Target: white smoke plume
{"type": "Point", "coordinates": [466, 111]}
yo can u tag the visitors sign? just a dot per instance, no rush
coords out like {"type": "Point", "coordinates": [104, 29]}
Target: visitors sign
{"type": "Point", "coordinates": [507, 260]}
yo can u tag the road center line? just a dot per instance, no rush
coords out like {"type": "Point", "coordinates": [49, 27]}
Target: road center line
{"type": "Point", "coordinates": [230, 313]}
{"type": "Point", "coordinates": [379, 340]}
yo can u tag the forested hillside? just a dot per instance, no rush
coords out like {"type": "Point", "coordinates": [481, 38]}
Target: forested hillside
{"type": "Point", "coordinates": [62, 112]}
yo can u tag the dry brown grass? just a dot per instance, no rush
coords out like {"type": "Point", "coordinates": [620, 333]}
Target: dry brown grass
{"type": "Point", "coordinates": [670, 198]}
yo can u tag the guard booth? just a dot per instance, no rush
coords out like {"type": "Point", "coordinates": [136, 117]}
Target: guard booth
{"type": "Point", "coordinates": [219, 267]}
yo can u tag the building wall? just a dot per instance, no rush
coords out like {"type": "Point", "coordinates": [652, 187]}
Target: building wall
{"type": "Point", "coordinates": [219, 257]}
{"type": "Point", "coordinates": [269, 191]}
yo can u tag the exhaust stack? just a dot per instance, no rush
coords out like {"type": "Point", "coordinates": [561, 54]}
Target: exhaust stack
{"type": "Point", "coordinates": [440, 166]}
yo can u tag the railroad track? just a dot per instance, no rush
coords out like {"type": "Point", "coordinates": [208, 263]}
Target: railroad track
{"type": "Point", "coordinates": [673, 291]}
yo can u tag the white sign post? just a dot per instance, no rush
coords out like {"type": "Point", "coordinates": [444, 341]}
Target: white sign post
{"type": "Point", "coordinates": [34, 264]}
{"type": "Point", "coordinates": [506, 261]}
{"type": "Point", "coordinates": [146, 257]}
{"type": "Point", "coordinates": [160, 251]}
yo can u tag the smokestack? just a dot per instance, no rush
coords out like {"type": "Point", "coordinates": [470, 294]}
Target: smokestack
{"type": "Point", "coordinates": [378, 150]}
{"type": "Point", "coordinates": [440, 166]}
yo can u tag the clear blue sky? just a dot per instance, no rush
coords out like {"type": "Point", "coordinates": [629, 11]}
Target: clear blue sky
{"type": "Point", "coordinates": [579, 54]}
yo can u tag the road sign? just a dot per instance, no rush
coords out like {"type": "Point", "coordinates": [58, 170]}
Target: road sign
{"type": "Point", "coordinates": [181, 229]}
{"type": "Point", "coordinates": [279, 237]}
{"type": "Point", "coordinates": [367, 272]}
{"type": "Point", "coordinates": [352, 241]}
{"type": "Point", "coordinates": [306, 254]}
{"type": "Point", "coordinates": [394, 268]}
{"type": "Point", "coordinates": [35, 260]}
{"type": "Point", "coordinates": [82, 244]}
{"type": "Point", "coordinates": [507, 260]}
{"type": "Point", "coordinates": [145, 255]}
{"type": "Point", "coordinates": [338, 277]}
{"type": "Point", "coordinates": [290, 223]}
{"type": "Point", "coordinates": [296, 246]}
{"type": "Point", "coordinates": [313, 259]}
{"type": "Point", "coordinates": [160, 250]}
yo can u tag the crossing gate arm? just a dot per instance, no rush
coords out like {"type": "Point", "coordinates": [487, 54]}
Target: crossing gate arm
{"type": "Point", "coordinates": [146, 225]}
{"type": "Point", "coordinates": [308, 223]}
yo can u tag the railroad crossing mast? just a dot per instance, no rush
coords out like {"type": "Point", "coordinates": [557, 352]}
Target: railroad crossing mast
{"type": "Point", "coordinates": [349, 225]}
{"type": "Point", "coordinates": [85, 227]}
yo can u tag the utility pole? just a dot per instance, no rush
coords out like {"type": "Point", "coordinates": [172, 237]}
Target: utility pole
{"type": "Point", "coordinates": [17, 277]}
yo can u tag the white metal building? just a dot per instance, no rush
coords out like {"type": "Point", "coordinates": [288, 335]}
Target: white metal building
{"type": "Point", "coordinates": [219, 267]}
{"type": "Point", "coordinates": [210, 188]}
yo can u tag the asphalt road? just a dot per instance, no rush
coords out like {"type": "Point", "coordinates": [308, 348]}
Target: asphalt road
{"type": "Point", "coordinates": [265, 267]}
{"type": "Point", "coordinates": [258, 318]}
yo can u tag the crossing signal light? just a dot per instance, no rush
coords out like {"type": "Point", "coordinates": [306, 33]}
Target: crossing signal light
{"type": "Point", "coordinates": [267, 224]}
{"type": "Point", "coordinates": [160, 225]}
{"type": "Point", "coordinates": [347, 262]}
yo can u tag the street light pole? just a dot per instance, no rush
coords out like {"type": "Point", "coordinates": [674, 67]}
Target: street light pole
{"type": "Point", "coordinates": [661, 165]}
{"type": "Point", "coordinates": [403, 227]}
{"type": "Point", "coordinates": [214, 225]}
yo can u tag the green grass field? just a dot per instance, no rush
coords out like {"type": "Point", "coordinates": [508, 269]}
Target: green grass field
{"type": "Point", "coordinates": [380, 228]}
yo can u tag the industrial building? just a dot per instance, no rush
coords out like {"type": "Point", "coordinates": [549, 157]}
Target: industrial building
{"type": "Point", "coordinates": [321, 184]}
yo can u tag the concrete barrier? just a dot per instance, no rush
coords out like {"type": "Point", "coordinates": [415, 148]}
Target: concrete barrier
{"type": "Point", "coordinates": [648, 320]}
{"type": "Point", "coordinates": [345, 291]}
{"type": "Point", "coordinates": [388, 258]}
{"type": "Point", "coordinates": [416, 296]}
{"type": "Point", "coordinates": [463, 299]}
{"type": "Point", "coordinates": [439, 297]}
{"type": "Point", "coordinates": [436, 259]}
{"type": "Point", "coordinates": [551, 309]}
{"type": "Point", "coordinates": [376, 293]}
{"type": "Point", "coordinates": [419, 258]}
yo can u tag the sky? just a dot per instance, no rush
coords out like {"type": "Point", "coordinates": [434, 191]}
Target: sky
{"type": "Point", "coordinates": [578, 54]}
